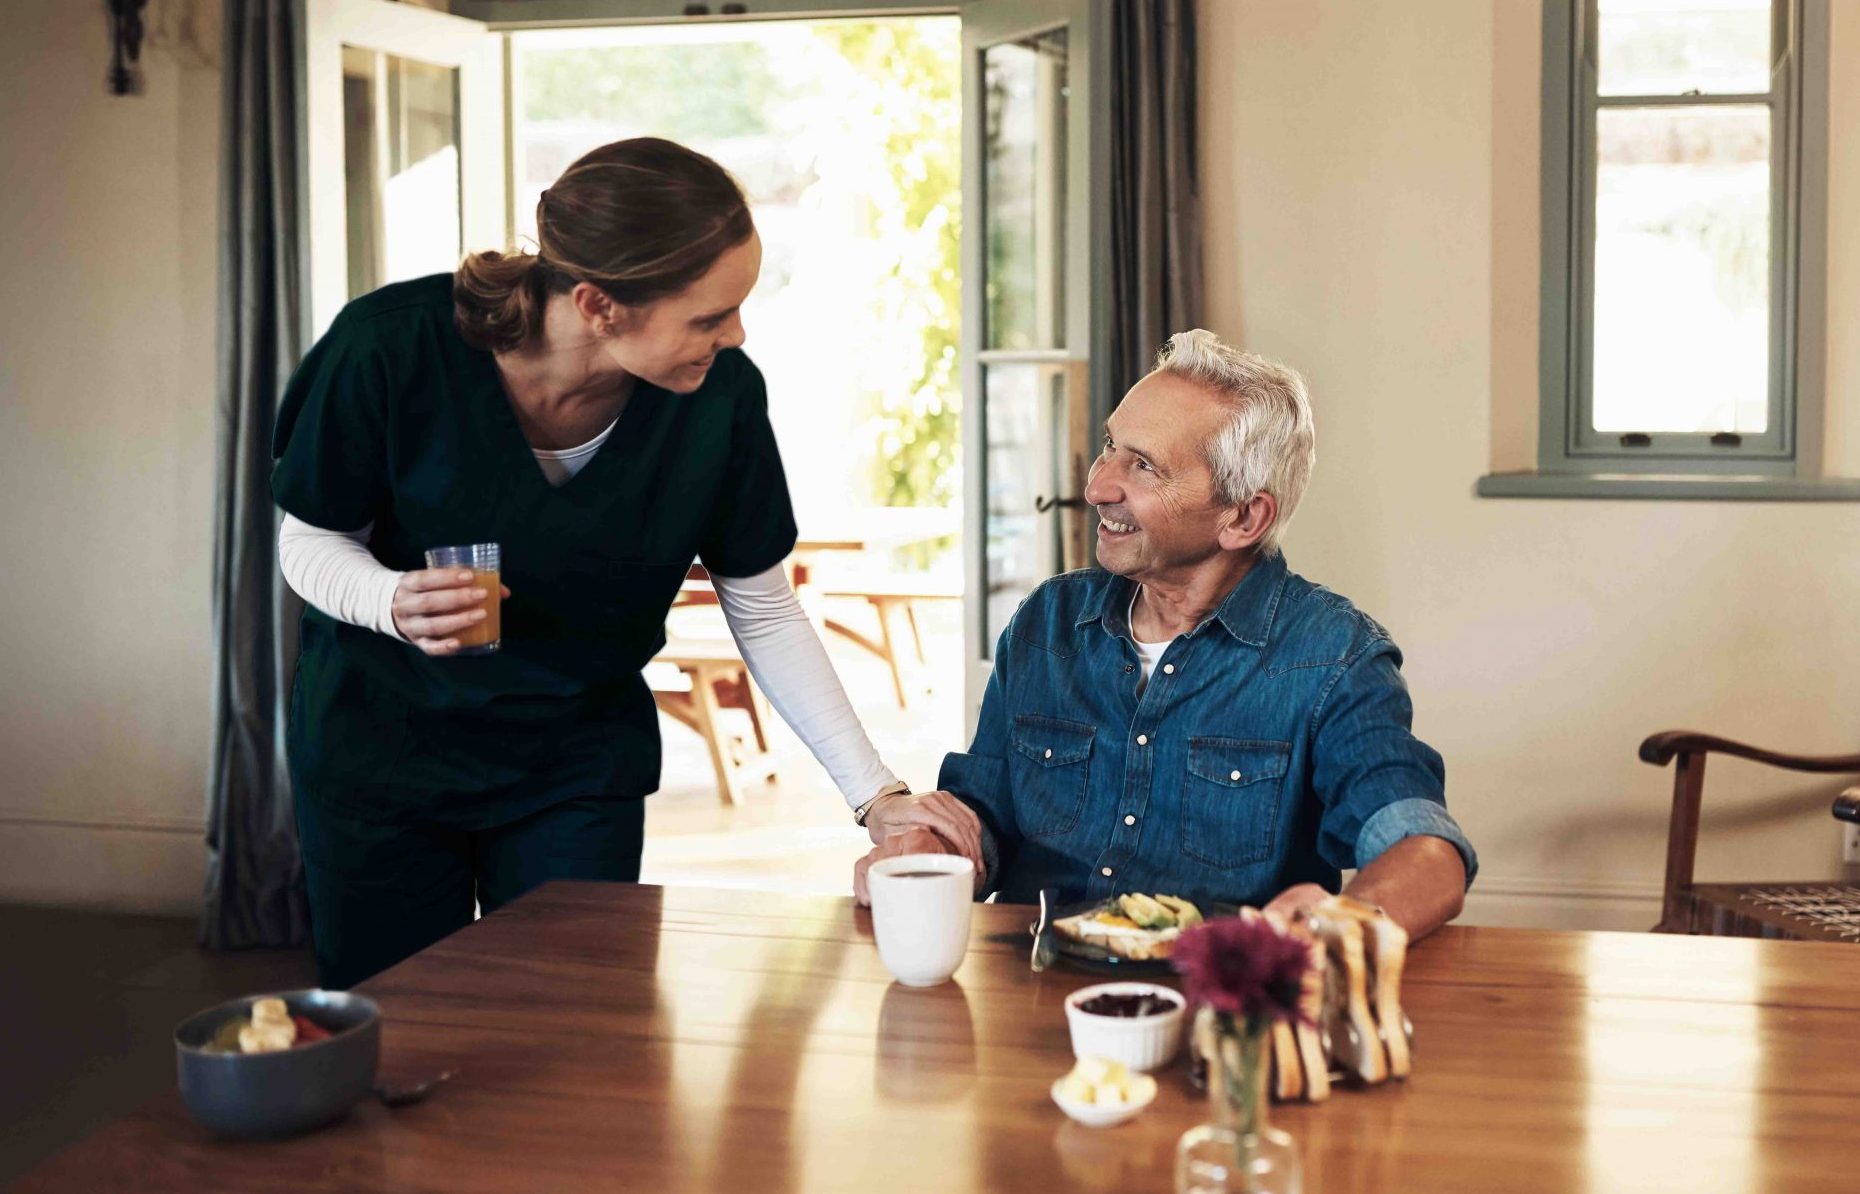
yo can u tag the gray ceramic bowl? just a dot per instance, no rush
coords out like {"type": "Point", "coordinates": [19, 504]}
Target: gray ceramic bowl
{"type": "Point", "coordinates": [279, 1094]}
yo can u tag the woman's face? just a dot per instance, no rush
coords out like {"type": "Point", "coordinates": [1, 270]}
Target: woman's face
{"type": "Point", "coordinates": [672, 342]}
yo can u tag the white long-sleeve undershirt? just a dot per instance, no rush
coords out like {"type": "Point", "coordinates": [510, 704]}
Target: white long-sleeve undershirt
{"type": "Point", "coordinates": [335, 571]}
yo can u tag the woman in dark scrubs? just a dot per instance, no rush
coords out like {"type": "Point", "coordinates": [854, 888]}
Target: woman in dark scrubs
{"type": "Point", "coordinates": [441, 411]}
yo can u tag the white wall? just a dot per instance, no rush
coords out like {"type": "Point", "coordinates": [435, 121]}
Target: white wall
{"type": "Point", "coordinates": [107, 229]}
{"type": "Point", "coordinates": [1371, 196]}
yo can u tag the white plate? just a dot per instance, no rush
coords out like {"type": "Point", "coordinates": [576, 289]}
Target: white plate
{"type": "Point", "coordinates": [1092, 1115]}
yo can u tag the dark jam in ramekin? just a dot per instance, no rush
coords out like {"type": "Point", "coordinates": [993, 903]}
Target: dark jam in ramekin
{"type": "Point", "coordinates": [1127, 1007]}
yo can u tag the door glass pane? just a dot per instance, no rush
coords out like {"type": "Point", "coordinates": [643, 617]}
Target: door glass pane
{"type": "Point", "coordinates": [847, 139]}
{"type": "Point", "coordinates": [1024, 408]}
{"type": "Point", "coordinates": [401, 168]}
{"type": "Point", "coordinates": [1670, 47]}
{"type": "Point", "coordinates": [1025, 97]}
{"type": "Point", "coordinates": [1682, 269]}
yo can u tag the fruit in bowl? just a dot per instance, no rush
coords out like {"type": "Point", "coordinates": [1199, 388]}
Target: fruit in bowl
{"type": "Point", "coordinates": [249, 1068]}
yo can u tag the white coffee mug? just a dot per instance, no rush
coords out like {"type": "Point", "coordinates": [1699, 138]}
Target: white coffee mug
{"type": "Point", "coordinates": [920, 914]}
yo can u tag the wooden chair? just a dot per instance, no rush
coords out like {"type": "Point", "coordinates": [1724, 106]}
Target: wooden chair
{"type": "Point", "coordinates": [1817, 911]}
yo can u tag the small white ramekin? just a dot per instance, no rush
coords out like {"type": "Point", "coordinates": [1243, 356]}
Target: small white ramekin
{"type": "Point", "coordinates": [1143, 1043]}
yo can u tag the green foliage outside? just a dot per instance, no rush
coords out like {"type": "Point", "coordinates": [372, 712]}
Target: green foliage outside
{"type": "Point", "coordinates": [911, 77]}
{"type": "Point", "coordinates": [905, 96]}
{"type": "Point", "coordinates": [653, 85]}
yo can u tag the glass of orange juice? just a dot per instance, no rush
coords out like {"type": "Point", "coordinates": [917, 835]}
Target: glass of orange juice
{"type": "Point", "coordinates": [485, 562]}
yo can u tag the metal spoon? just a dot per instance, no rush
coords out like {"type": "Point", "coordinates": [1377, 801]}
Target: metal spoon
{"type": "Point", "coordinates": [1045, 949]}
{"type": "Point", "coordinates": [407, 1096]}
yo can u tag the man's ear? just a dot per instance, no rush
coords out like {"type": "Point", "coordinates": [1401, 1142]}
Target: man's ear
{"type": "Point", "coordinates": [1246, 524]}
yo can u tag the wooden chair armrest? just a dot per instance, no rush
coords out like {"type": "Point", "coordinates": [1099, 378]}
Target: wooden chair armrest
{"type": "Point", "coordinates": [1660, 748]}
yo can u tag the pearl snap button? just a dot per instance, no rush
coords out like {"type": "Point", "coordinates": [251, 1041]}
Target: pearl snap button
{"type": "Point", "coordinates": [1129, 819]}
{"type": "Point", "coordinates": [1049, 752]}
{"type": "Point", "coordinates": [1105, 871]}
{"type": "Point", "coordinates": [1233, 775]}
{"type": "Point", "coordinates": [1168, 669]}
{"type": "Point", "coordinates": [1143, 739]}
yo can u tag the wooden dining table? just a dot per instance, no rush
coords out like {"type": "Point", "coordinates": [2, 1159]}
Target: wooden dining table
{"type": "Point", "coordinates": [620, 1037]}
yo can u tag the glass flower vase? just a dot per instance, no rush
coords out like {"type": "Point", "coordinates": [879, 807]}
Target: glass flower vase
{"type": "Point", "coordinates": [1237, 1151]}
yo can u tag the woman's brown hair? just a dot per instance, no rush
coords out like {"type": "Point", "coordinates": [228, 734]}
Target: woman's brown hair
{"type": "Point", "coordinates": [641, 219]}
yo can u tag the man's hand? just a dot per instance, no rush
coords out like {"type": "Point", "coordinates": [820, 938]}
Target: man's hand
{"type": "Point", "coordinates": [951, 819]}
{"type": "Point", "coordinates": [914, 840]}
{"type": "Point", "coordinates": [1419, 881]}
{"type": "Point", "coordinates": [1296, 902]}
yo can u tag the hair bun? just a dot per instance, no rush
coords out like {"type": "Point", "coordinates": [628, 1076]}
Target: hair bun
{"type": "Point", "coordinates": [498, 299]}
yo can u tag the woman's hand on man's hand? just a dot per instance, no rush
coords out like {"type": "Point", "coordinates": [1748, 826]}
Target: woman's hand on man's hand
{"type": "Point", "coordinates": [433, 604]}
{"type": "Point", "coordinates": [951, 819]}
{"type": "Point", "coordinates": [920, 823]}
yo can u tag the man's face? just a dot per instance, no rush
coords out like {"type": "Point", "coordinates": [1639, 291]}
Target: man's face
{"type": "Point", "coordinates": [1158, 515]}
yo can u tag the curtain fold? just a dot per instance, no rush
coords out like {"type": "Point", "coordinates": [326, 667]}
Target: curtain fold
{"type": "Point", "coordinates": [254, 892]}
{"type": "Point", "coordinates": [1156, 234]}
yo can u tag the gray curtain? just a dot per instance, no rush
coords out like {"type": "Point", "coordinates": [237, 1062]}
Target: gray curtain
{"type": "Point", "coordinates": [254, 892]}
{"type": "Point", "coordinates": [1156, 273]}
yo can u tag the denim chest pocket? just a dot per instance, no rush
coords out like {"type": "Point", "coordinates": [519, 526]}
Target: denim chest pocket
{"type": "Point", "coordinates": [1051, 768]}
{"type": "Point", "coordinates": [1230, 800]}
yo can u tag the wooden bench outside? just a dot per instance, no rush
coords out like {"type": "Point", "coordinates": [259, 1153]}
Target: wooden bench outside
{"type": "Point", "coordinates": [891, 597]}
{"type": "Point", "coordinates": [719, 680]}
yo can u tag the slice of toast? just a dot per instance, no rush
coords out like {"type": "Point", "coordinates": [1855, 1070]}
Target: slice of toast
{"type": "Point", "coordinates": [1386, 945]}
{"type": "Point", "coordinates": [1306, 1042]}
{"type": "Point", "coordinates": [1355, 1042]}
{"type": "Point", "coordinates": [1288, 1071]}
{"type": "Point", "coordinates": [1117, 935]}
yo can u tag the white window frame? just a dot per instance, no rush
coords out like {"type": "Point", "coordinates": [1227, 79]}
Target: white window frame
{"type": "Point", "coordinates": [1785, 461]}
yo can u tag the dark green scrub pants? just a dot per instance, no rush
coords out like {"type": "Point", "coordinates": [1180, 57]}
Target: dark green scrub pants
{"type": "Point", "coordinates": [382, 892]}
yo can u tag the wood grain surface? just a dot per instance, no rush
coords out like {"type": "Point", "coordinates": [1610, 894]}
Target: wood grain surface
{"type": "Point", "coordinates": [619, 1037]}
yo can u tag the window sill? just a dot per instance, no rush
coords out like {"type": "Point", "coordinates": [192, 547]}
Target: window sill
{"type": "Point", "coordinates": [1670, 486]}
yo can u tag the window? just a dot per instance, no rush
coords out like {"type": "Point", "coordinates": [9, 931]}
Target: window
{"type": "Point", "coordinates": [1684, 150]}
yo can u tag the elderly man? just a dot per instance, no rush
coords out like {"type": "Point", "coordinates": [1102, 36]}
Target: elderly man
{"type": "Point", "coordinates": [1193, 717]}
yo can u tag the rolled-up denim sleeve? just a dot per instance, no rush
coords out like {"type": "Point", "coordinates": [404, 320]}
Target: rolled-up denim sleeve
{"type": "Point", "coordinates": [1413, 818]}
{"type": "Point", "coordinates": [1378, 783]}
{"type": "Point", "coordinates": [979, 778]}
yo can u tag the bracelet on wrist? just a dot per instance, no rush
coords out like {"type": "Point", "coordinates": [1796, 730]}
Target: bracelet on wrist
{"type": "Point", "coordinates": [865, 810]}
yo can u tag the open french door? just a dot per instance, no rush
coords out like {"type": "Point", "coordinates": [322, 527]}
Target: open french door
{"type": "Point", "coordinates": [404, 124]}
{"type": "Point", "coordinates": [1035, 121]}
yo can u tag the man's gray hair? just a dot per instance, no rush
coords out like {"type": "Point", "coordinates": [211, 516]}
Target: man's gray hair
{"type": "Point", "coordinates": [1269, 442]}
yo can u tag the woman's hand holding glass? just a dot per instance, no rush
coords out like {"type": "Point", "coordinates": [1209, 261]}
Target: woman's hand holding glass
{"type": "Point", "coordinates": [432, 605]}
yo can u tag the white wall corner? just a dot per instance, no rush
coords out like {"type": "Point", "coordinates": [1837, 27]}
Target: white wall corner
{"type": "Point", "coordinates": [152, 866]}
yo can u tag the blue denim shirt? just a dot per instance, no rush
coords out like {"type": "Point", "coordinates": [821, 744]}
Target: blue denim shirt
{"type": "Point", "coordinates": [1272, 746]}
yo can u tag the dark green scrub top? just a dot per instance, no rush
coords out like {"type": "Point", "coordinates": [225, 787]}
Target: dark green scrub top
{"type": "Point", "coordinates": [392, 419]}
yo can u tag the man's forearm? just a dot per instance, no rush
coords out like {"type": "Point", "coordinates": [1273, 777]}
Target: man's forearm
{"type": "Point", "coordinates": [1419, 881]}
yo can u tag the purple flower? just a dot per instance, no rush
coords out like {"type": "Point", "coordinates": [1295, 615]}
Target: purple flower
{"type": "Point", "coordinates": [1242, 967]}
